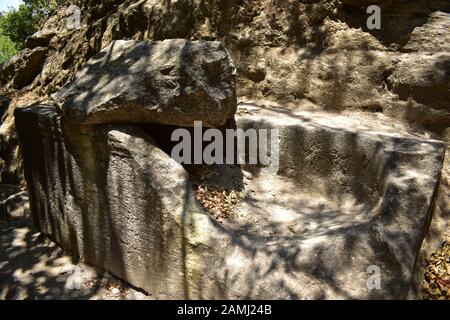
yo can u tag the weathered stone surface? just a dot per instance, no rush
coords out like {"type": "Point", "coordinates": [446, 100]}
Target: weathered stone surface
{"type": "Point", "coordinates": [364, 196]}
{"type": "Point", "coordinates": [6, 190]}
{"type": "Point", "coordinates": [22, 69]}
{"type": "Point", "coordinates": [13, 202]}
{"type": "Point", "coordinates": [423, 77]}
{"type": "Point", "coordinates": [4, 104]}
{"type": "Point", "coordinates": [110, 195]}
{"type": "Point", "coordinates": [433, 36]}
{"type": "Point", "coordinates": [14, 206]}
{"type": "Point", "coordinates": [172, 82]}
{"type": "Point", "coordinates": [319, 50]}
{"type": "Point", "coordinates": [12, 172]}
{"type": "Point", "coordinates": [40, 39]}
{"type": "Point", "coordinates": [289, 51]}
{"type": "Point", "coordinates": [440, 222]}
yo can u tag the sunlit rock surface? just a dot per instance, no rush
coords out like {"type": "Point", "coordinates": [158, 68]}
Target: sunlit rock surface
{"type": "Point", "coordinates": [173, 82]}
{"type": "Point", "coordinates": [349, 193]}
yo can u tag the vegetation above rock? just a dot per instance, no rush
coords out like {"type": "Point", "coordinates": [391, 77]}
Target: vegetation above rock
{"type": "Point", "coordinates": [16, 25]}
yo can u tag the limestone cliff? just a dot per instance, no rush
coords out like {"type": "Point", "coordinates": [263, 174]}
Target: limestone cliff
{"type": "Point", "coordinates": [284, 50]}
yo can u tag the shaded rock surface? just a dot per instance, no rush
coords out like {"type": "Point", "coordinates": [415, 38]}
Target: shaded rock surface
{"type": "Point", "coordinates": [41, 38]}
{"type": "Point", "coordinates": [4, 104]}
{"type": "Point", "coordinates": [283, 50]}
{"type": "Point", "coordinates": [172, 82]}
{"type": "Point", "coordinates": [433, 36]}
{"type": "Point", "coordinates": [22, 69]}
{"type": "Point", "coordinates": [424, 78]}
{"type": "Point", "coordinates": [79, 178]}
{"type": "Point", "coordinates": [288, 51]}
{"type": "Point", "coordinates": [35, 268]}
{"type": "Point", "coordinates": [13, 203]}
{"type": "Point", "coordinates": [11, 170]}
{"type": "Point", "coordinates": [110, 195]}
{"type": "Point", "coordinates": [439, 230]}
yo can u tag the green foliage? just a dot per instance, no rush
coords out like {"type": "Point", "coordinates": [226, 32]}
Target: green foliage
{"type": "Point", "coordinates": [40, 8]}
{"type": "Point", "coordinates": [7, 48]}
{"type": "Point", "coordinates": [18, 24]}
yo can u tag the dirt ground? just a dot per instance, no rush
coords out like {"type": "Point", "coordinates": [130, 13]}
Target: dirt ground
{"type": "Point", "coordinates": [32, 267]}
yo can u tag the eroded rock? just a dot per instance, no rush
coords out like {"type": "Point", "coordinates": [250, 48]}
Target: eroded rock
{"type": "Point", "coordinates": [22, 69]}
{"type": "Point", "coordinates": [172, 82]}
{"type": "Point", "coordinates": [346, 197]}
{"type": "Point", "coordinates": [110, 195]}
{"type": "Point", "coordinates": [433, 36]}
{"type": "Point", "coordinates": [283, 52]}
{"type": "Point", "coordinates": [40, 39]}
{"type": "Point", "coordinates": [13, 203]}
{"type": "Point", "coordinates": [423, 77]}
{"type": "Point", "coordinates": [15, 206]}
{"type": "Point", "coordinates": [4, 104]}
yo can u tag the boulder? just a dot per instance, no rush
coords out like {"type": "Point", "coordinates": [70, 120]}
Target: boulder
{"type": "Point", "coordinates": [433, 36]}
{"type": "Point", "coordinates": [40, 39]}
{"type": "Point", "coordinates": [318, 50]}
{"type": "Point", "coordinates": [172, 82]}
{"type": "Point", "coordinates": [351, 195]}
{"type": "Point", "coordinates": [423, 77]}
{"type": "Point", "coordinates": [6, 190]}
{"type": "Point", "coordinates": [22, 69]}
{"type": "Point", "coordinates": [109, 195]}
{"type": "Point", "coordinates": [11, 171]}
{"type": "Point", "coordinates": [13, 203]}
{"type": "Point", "coordinates": [15, 206]}
{"type": "Point", "coordinates": [363, 193]}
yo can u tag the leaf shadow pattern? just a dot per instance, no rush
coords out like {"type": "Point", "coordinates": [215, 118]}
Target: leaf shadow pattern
{"type": "Point", "coordinates": [31, 267]}
{"type": "Point", "coordinates": [327, 253]}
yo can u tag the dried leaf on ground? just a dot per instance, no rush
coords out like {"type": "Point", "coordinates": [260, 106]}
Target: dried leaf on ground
{"type": "Point", "coordinates": [436, 285]}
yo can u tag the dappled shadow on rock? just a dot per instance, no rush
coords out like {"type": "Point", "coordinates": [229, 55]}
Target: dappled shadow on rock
{"type": "Point", "coordinates": [313, 230]}
{"type": "Point", "coordinates": [398, 18]}
{"type": "Point", "coordinates": [32, 267]}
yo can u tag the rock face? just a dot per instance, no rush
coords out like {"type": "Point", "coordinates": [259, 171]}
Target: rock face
{"type": "Point", "coordinates": [81, 178]}
{"type": "Point", "coordinates": [283, 50]}
{"type": "Point", "coordinates": [4, 103]}
{"type": "Point", "coordinates": [424, 78]}
{"type": "Point", "coordinates": [109, 194]}
{"type": "Point", "coordinates": [432, 36]}
{"type": "Point", "coordinates": [20, 70]}
{"type": "Point", "coordinates": [41, 38]}
{"type": "Point", "coordinates": [11, 170]}
{"type": "Point", "coordinates": [173, 82]}
{"type": "Point", "coordinates": [13, 203]}
{"type": "Point", "coordinates": [372, 181]}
